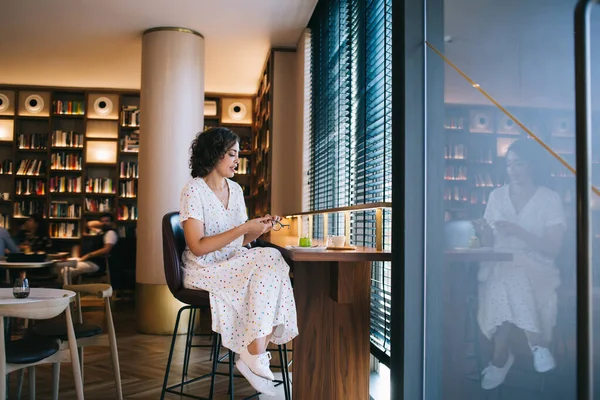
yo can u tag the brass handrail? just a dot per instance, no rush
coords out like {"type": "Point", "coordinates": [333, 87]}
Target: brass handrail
{"type": "Point", "coordinates": [507, 113]}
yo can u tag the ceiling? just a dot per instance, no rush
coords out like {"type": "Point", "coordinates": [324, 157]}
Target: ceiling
{"type": "Point", "coordinates": [97, 43]}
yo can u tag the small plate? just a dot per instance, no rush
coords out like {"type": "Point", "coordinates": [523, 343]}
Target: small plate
{"type": "Point", "coordinates": [474, 249]}
{"type": "Point", "coordinates": [312, 248]}
{"type": "Point", "coordinates": [341, 248]}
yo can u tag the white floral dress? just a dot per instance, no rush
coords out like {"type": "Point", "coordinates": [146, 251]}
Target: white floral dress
{"type": "Point", "coordinates": [522, 291]}
{"type": "Point", "coordinates": [250, 289]}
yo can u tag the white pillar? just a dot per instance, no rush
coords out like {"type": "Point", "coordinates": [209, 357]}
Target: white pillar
{"type": "Point", "coordinates": [172, 112]}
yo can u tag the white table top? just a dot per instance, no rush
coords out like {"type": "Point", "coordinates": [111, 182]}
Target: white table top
{"type": "Point", "coordinates": [25, 265]}
{"type": "Point", "coordinates": [36, 295]}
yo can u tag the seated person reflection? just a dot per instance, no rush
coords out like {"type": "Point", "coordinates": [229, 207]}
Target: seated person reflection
{"type": "Point", "coordinates": [96, 248]}
{"type": "Point", "coordinates": [527, 220]}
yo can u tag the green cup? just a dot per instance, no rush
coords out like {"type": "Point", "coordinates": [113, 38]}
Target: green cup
{"type": "Point", "coordinates": [304, 242]}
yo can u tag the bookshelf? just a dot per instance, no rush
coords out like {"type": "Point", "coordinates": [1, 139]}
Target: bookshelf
{"type": "Point", "coordinates": [61, 151]}
{"type": "Point", "coordinates": [261, 141]}
{"type": "Point", "coordinates": [72, 154]}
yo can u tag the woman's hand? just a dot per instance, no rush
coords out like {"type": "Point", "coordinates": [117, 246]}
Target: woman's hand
{"type": "Point", "coordinates": [273, 219]}
{"type": "Point", "coordinates": [508, 228]}
{"type": "Point", "coordinates": [481, 226]}
{"type": "Point", "coordinates": [258, 226]}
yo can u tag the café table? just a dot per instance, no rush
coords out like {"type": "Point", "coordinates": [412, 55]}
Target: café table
{"type": "Point", "coordinates": [42, 303]}
{"type": "Point", "coordinates": [459, 314]}
{"type": "Point", "coordinates": [23, 266]}
{"type": "Point", "coordinates": [332, 291]}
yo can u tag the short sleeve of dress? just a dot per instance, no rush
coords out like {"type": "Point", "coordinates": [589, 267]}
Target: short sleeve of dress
{"type": "Point", "coordinates": [190, 203]}
{"type": "Point", "coordinates": [242, 212]}
{"type": "Point", "coordinates": [554, 212]}
{"type": "Point", "coordinates": [492, 213]}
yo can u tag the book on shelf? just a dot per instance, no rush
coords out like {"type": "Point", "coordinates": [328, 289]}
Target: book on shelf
{"type": "Point", "coordinates": [32, 167]}
{"type": "Point", "coordinates": [62, 209]}
{"type": "Point", "coordinates": [65, 184]}
{"type": "Point", "coordinates": [130, 143]}
{"type": "Point", "coordinates": [25, 208]}
{"type": "Point", "coordinates": [6, 168]}
{"type": "Point", "coordinates": [67, 139]}
{"type": "Point", "coordinates": [32, 141]}
{"type": "Point", "coordinates": [128, 170]}
{"type": "Point", "coordinates": [30, 187]}
{"type": "Point", "coordinates": [128, 212]}
{"type": "Point", "coordinates": [66, 161]}
{"type": "Point", "coordinates": [243, 166]}
{"type": "Point", "coordinates": [130, 116]}
{"type": "Point", "coordinates": [66, 107]}
{"type": "Point", "coordinates": [100, 186]}
{"type": "Point", "coordinates": [99, 205]}
{"type": "Point", "coordinates": [128, 189]}
{"type": "Point", "coordinates": [64, 230]}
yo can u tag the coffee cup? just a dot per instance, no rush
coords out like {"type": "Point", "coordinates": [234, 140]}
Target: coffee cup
{"type": "Point", "coordinates": [304, 242]}
{"type": "Point", "coordinates": [338, 241]}
{"type": "Point", "coordinates": [5, 196]}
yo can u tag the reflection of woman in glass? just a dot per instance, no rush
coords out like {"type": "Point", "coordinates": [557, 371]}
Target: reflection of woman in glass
{"type": "Point", "coordinates": [527, 220]}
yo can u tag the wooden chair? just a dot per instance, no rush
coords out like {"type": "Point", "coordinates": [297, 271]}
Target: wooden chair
{"type": "Point", "coordinates": [86, 334]}
{"type": "Point", "coordinates": [28, 352]}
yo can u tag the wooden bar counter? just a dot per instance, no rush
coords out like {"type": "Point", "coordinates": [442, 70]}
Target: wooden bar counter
{"type": "Point", "coordinates": [332, 291]}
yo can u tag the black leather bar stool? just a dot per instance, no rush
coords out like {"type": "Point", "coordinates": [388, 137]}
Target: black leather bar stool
{"type": "Point", "coordinates": [173, 247]}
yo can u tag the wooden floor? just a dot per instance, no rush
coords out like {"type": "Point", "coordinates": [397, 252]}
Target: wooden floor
{"type": "Point", "coordinates": [142, 358]}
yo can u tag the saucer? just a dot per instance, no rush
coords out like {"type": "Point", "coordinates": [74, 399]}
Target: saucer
{"type": "Point", "coordinates": [341, 248]}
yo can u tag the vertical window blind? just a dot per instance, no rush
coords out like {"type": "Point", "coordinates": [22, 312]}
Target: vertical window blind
{"type": "Point", "coordinates": [350, 131]}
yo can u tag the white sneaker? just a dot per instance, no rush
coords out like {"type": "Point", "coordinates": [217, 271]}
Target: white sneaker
{"type": "Point", "coordinates": [542, 359]}
{"type": "Point", "coordinates": [259, 363]}
{"type": "Point", "coordinates": [261, 385]}
{"type": "Point", "coordinates": [494, 376]}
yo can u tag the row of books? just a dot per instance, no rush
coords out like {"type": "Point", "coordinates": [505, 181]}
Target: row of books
{"type": "Point", "coordinates": [128, 212]}
{"type": "Point", "coordinates": [99, 205]}
{"type": "Point", "coordinates": [64, 230]}
{"type": "Point", "coordinates": [62, 209]}
{"type": "Point", "coordinates": [32, 141]}
{"type": "Point", "coordinates": [128, 189]}
{"type": "Point", "coordinates": [6, 167]}
{"type": "Point", "coordinates": [29, 187]}
{"type": "Point", "coordinates": [243, 166]}
{"type": "Point", "coordinates": [25, 208]}
{"type": "Point", "coordinates": [130, 116]}
{"type": "Point", "coordinates": [128, 169]}
{"type": "Point", "coordinates": [66, 161]}
{"type": "Point", "coordinates": [100, 185]}
{"type": "Point", "coordinates": [65, 107]}
{"type": "Point", "coordinates": [130, 143]}
{"type": "Point", "coordinates": [32, 167]}
{"type": "Point", "coordinates": [64, 184]}
{"type": "Point", "coordinates": [67, 139]}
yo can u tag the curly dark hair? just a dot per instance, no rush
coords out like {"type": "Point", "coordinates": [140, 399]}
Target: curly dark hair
{"type": "Point", "coordinates": [536, 158]}
{"type": "Point", "coordinates": [208, 148]}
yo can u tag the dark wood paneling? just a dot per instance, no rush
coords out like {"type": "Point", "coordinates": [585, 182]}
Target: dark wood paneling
{"type": "Point", "coordinates": [332, 350]}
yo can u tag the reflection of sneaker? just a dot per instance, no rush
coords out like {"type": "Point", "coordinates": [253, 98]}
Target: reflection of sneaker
{"type": "Point", "coordinates": [494, 376]}
{"type": "Point", "coordinates": [542, 359]}
{"type": "Point", "coordinates": [259, 363]}
{"type": "Point", "coordinates": [261, 385]}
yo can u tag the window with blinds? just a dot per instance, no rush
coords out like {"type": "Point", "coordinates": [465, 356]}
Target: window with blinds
{"type": "Point", "coordinates": [350, 136]}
